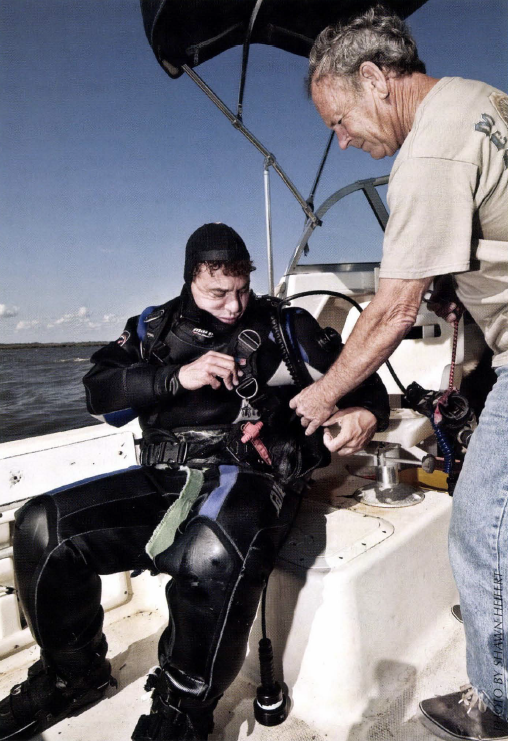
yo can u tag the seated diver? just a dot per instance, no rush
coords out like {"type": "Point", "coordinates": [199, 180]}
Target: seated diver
{"type": "Point", "coordinates": [197, 371]}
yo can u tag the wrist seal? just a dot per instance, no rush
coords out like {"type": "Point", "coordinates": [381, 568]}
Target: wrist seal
{"type": "Point", "coordinates": [166, 383]}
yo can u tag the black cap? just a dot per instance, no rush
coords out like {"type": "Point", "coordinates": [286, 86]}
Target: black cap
{"type": "Point", "coordinates": [213, 243]}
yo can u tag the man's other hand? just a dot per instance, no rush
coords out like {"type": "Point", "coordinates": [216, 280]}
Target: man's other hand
{"type": "Point", "coordinates": [210, 370]}
{"type": "Point", "coordinates": [312, 406]}
{"type": "Point", "coordinates": [357, 428]}
{"type": "Point", "coordinates": [443, 300]}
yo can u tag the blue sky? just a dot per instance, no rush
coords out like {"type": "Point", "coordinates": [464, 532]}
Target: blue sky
{"type": "Point", "coordinates": [107, 165]}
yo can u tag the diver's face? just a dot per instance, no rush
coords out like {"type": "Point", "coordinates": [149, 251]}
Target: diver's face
{"type": "Point", "coordinates": [359, 118]}
{"type": "Point", "coordinates": [223, 296]}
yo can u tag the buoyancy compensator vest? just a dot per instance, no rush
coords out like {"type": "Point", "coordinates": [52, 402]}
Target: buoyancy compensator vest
{"type": "Point", "coordinates": [176, 335]}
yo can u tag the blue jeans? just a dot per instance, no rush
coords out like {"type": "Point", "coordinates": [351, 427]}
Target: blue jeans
{"type": "Point", "coordinates": [479, 549]}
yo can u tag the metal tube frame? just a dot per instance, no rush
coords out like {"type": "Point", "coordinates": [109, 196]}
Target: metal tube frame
{"type": "Point", "coordinates": [314, 218]}
{"type": "Point", "coordinates": [369, 189]}
{"type": "Point", "coordinates": [268, 215]}
{"type": "Point", "coordinates": [235, 121]}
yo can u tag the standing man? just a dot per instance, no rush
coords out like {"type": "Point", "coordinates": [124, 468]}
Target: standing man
{"type": "Point", "coordinates": [448, 198]}
{"type": "Point", "coordinates": [210, 504]}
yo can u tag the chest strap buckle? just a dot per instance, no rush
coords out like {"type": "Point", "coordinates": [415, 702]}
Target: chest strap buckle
{"type": "Point", "coordinates": [171, 453]}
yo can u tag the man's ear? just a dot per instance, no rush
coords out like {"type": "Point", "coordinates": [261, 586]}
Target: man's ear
{"type": "Point", "coordinates": [374, 77]}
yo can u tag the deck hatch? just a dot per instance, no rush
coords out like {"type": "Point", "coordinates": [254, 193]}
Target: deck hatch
{"type": "Point", "coordinates": [324, 538]}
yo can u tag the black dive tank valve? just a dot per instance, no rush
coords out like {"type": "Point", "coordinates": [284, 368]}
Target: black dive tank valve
{"type": "Point", "coordinates": [270, 705]}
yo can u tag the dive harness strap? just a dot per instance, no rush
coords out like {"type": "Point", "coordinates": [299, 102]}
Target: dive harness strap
{"type": "Point", "coordinates": [169, 453]}
{"type": "Point", "coordinates": [227, 447]}
{"type": "Point", "coordinates": [184, 447]}
{"type": "Point", "coordinates": [244, 442]}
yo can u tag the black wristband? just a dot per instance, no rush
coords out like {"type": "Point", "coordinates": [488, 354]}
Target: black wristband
{"type": "Point", "coordinates": [166, 383]}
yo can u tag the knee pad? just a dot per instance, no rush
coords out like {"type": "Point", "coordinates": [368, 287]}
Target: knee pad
{"type": "Point", "coordinates": [33, 530]}
{"type": "Point", "coordinates": [201, 556]}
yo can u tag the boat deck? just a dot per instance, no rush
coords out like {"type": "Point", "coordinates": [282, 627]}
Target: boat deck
{"type": "Point", "coordinates": [358, 610]}
{"type": "Point", "coordinates": [394, 640]}
{"type": "Point", "coordinates": [391, 716]}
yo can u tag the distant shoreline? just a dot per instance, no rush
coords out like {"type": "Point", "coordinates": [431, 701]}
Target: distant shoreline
{"type": "Point", "coordinates": [28, 345]}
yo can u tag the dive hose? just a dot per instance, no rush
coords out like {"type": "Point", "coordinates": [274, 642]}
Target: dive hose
{"type": "Point", "coordinates": [451, 406]}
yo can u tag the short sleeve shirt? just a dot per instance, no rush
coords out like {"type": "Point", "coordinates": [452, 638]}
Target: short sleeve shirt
{"type": "Point", "coordinates": [448, 200]}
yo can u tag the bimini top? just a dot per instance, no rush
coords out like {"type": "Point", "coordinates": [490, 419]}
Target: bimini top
{"type": "Point", "coordinates": [192, 31]}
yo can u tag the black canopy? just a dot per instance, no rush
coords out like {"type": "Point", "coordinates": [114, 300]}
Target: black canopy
{"type": "Point", "coordinates": [193, 31]}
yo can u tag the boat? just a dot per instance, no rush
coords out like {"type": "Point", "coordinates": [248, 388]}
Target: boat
{"type": "Point", "coordinates": [359, 607]}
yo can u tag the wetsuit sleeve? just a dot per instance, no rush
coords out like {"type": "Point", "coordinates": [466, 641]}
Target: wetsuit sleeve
{"type": "Point", "coordinates": [320, 348]}
{"type": "Point", "coordinates": [121, 380]}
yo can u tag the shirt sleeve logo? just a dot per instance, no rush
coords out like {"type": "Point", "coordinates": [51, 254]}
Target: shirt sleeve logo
{"type": "Point", "coordinates": [123, 338]}
{"type": "Point", "coordinates": [500, 103]}
{"type": "Point", "coordinates": [487, 123]}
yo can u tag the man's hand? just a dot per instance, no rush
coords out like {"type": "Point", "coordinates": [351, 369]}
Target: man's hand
{"type": "Point", "coordinates": [312, 406]}
{"type": "Point", "coordinates": [209, 370]}
{"type": "Point", "coordinates": [443, 300]}
{"type": "Point", "coordinates": [357, 427]}
{"type": "Point", "coordinates": [380, 328]}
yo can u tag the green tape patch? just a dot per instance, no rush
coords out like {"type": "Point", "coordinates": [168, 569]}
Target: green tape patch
{"type": "Point", "coordinates": [164, 534]}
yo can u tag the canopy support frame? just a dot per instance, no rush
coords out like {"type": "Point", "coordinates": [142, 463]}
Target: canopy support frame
{"type": "Point", "coordinates": [269, 161]}
{"type": "Point", "coordinates": [235, 121]}
{"type": "Point", "coordinates": [245, 58]}
{"type": "Point", "coordinates": [368, 187]}
{"type": "Point", "coordinates": [268, 217]}
{"type": "Point", "coordinates": [310, 199]}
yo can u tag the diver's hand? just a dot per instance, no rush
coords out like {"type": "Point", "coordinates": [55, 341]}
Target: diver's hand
{"type": "Point", "coordinates": [313, 406]}
{"type": "Point", "coordinates": [209, 370]}
{"type": "Point", "coordinates": [443, 300]}
{"type": "Point", "coordinates": [357, 427]}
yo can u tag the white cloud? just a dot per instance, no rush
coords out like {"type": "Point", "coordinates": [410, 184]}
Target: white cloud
{"type": "Point", "coordinates": [110, 319]}
{"type": "Point", "coordinates": [6, 312]}
{"type": "Point", "coordinates": [27, 324]}
{"type": "Point", "coordinates": [80, 316]}
{"type": "Point", "coordinates": [65, 319]}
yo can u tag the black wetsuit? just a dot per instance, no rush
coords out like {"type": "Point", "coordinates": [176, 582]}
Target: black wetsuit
{"type": "Point", "coordinates": [224, 551]}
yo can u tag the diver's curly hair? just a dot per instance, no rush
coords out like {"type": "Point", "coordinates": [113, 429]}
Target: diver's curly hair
{"type": "Point", "coordinates": [378, 36]}
{"type": "Point", "coordinates": [235, 268]}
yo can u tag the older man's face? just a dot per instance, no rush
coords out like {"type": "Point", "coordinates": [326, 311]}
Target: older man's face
{"type": "Point", "coordinates": [360, 119]}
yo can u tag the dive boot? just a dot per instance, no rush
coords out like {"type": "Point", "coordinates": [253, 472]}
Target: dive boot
{"type": "Point", "coordinates": [168, 720]}
{"type": "Point", "coordinates": [46, 697]}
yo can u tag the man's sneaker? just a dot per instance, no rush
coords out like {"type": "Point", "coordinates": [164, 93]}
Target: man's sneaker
{"type": "Point", "coordinates": [168, 720]}
{"type": "Point", "coordinates": [463, 715]}
{"type": "Point", "coordinates": [45, 698]}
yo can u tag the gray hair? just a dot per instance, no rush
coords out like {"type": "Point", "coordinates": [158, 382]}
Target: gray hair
{"type": "Point", "coordinates": [377, 36]}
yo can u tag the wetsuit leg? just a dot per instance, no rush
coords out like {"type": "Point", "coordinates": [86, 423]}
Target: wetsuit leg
{"type": "Point", "coordinates": [64, 539]}
{"type": "Point", "coordinates": [220, 563]}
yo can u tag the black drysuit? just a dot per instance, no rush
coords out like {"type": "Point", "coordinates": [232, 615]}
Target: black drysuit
{"type": "Point", "coordinates": [223, 552]}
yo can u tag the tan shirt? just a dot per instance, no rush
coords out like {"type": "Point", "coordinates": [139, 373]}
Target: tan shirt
{"type": "Point", "coordinates": [448, 200]}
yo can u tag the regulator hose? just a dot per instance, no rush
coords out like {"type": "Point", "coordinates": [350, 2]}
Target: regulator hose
{"type": "Point", "coordinates": [417, 397]}
{"type": "Point", "coordinates": [287, 356]}
{"type": "Point", "coordinates": [445, 446]}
